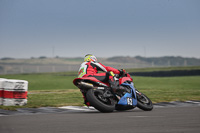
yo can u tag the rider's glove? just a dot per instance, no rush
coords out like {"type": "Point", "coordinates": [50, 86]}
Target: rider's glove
{"type": "Point", "coordinates": [122, 72]}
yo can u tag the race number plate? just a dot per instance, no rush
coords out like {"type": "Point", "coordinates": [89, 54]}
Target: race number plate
{"type": "Point", "coordinates": [129, 101]}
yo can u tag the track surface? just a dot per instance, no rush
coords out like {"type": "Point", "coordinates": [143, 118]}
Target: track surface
{"type": "Point", "coordinates": [183, 119]}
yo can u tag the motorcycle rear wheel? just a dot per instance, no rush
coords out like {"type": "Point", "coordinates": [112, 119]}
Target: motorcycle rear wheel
{"type": "Point", "coordinates": [96, 99]}
{"type": "Point", "coordinates": [143, 102]}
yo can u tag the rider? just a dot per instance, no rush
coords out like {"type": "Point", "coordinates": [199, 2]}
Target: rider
{"type": "Point", "coordinates": [90, 68]}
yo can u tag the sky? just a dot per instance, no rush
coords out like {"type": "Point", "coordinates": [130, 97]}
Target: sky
{"type": "Point", "coordinates": [105, 28]}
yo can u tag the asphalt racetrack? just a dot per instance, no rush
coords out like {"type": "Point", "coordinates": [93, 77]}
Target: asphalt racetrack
{"type": "Point", "coordinates": [167, 119]}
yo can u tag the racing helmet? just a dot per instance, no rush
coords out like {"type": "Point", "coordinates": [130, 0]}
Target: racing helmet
{"type": "Point", "coordinates": [90, 57]}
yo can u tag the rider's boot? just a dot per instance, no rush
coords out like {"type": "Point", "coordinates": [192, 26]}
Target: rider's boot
{"type": "Point", "coordinates": [113, 84]}
{"type": "Point", "coordinates": [114, 87]}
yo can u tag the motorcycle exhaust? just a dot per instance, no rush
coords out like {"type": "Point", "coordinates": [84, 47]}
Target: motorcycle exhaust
{"type": "Point", "coordinates": [88, 86]}
{"type": "Point", "coordinates": [85, 85]}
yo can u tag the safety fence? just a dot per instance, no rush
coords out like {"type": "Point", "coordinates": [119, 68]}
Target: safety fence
{"type": "Point", "coordinates": [37, 68]}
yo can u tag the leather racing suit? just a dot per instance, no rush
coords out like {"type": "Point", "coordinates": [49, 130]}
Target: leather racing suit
{"type": "Point", "coordinates": [92, 68]}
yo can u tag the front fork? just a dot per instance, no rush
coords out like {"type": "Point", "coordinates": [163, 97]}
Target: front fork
{"type": "Point", "coordinates": [137, 92]}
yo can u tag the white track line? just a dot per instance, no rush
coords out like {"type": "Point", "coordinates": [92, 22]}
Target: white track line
{"type": "Point", "coordinates": [78, 108]}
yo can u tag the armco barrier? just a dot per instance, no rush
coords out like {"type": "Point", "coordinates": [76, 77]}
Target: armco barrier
{"type": "Point", "coordinates": [13, 92]}
{"type": "Point", "coordinates": [167, 73]}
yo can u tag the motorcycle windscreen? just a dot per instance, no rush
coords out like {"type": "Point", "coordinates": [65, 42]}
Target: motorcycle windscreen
{"type": "Point", "coordinates": [127, 99]}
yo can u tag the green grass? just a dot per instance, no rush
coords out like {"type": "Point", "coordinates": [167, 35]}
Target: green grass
{"type": "Point", "coordinates": [167, 89]}
{"type": "Point", "coordinates": [59, 98]}
{"type": "Point", "coordinates": [48, 81]}
{"type": "Point", "coordinates": [57, 89]}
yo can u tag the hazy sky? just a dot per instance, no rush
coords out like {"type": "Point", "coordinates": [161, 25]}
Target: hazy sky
{"type": "Point", "coordinates": [106, 28]}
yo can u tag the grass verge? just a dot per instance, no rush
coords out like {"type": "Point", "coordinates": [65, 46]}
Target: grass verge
{"type": "Point", "coordinates": [57, 98]}
{"type": "Point", "coordinates": [57, 89]}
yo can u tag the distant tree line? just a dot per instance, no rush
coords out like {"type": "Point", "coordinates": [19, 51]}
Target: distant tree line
{"type": "Point", "coordinates": [170, 61]}
{"type": "Point", "coordinates": [7, 58]}
{"type": "Point", "coordinates": [153, 61]}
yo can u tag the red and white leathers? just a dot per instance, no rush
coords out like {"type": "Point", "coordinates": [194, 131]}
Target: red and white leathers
{"type": "Point", "coordinates": [91, 69]}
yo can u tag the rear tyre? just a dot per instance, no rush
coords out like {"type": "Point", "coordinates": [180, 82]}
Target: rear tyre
{"type": "Point", "coordinates": [96, 99]}
{"type": "Point", "coordinates": [143, 102]}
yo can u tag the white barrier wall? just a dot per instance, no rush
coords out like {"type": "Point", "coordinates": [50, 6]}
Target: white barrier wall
{"type": "Point", "coordinates": [1, 90]}
{"type": "Point", "coordinates": [1, 96]}
{"type": "Point", "coordinates": [13, 92]}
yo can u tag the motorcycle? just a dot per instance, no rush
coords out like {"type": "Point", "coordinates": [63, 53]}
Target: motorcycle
{"type": "Point", "coordinates": [104, 99]}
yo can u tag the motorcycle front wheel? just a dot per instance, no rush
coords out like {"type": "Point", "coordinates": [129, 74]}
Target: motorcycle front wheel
{"type": "Point", "coordinates": [143, 102]}
{"type": "Point", "coordinates": [99, 102]}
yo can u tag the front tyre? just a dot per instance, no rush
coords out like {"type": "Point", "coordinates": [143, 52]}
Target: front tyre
{"type": "Point", "coordinates": [96, 99]}
{"type": "Point", "coordinates": [143, 102]}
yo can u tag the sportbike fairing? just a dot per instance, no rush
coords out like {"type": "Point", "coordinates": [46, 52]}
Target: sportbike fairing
{"type": "Point", "coordinates": [129, 98]}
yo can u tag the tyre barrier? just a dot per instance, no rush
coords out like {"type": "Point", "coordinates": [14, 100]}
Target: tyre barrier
{"type": "Point", "coordinates": [13, 92]}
